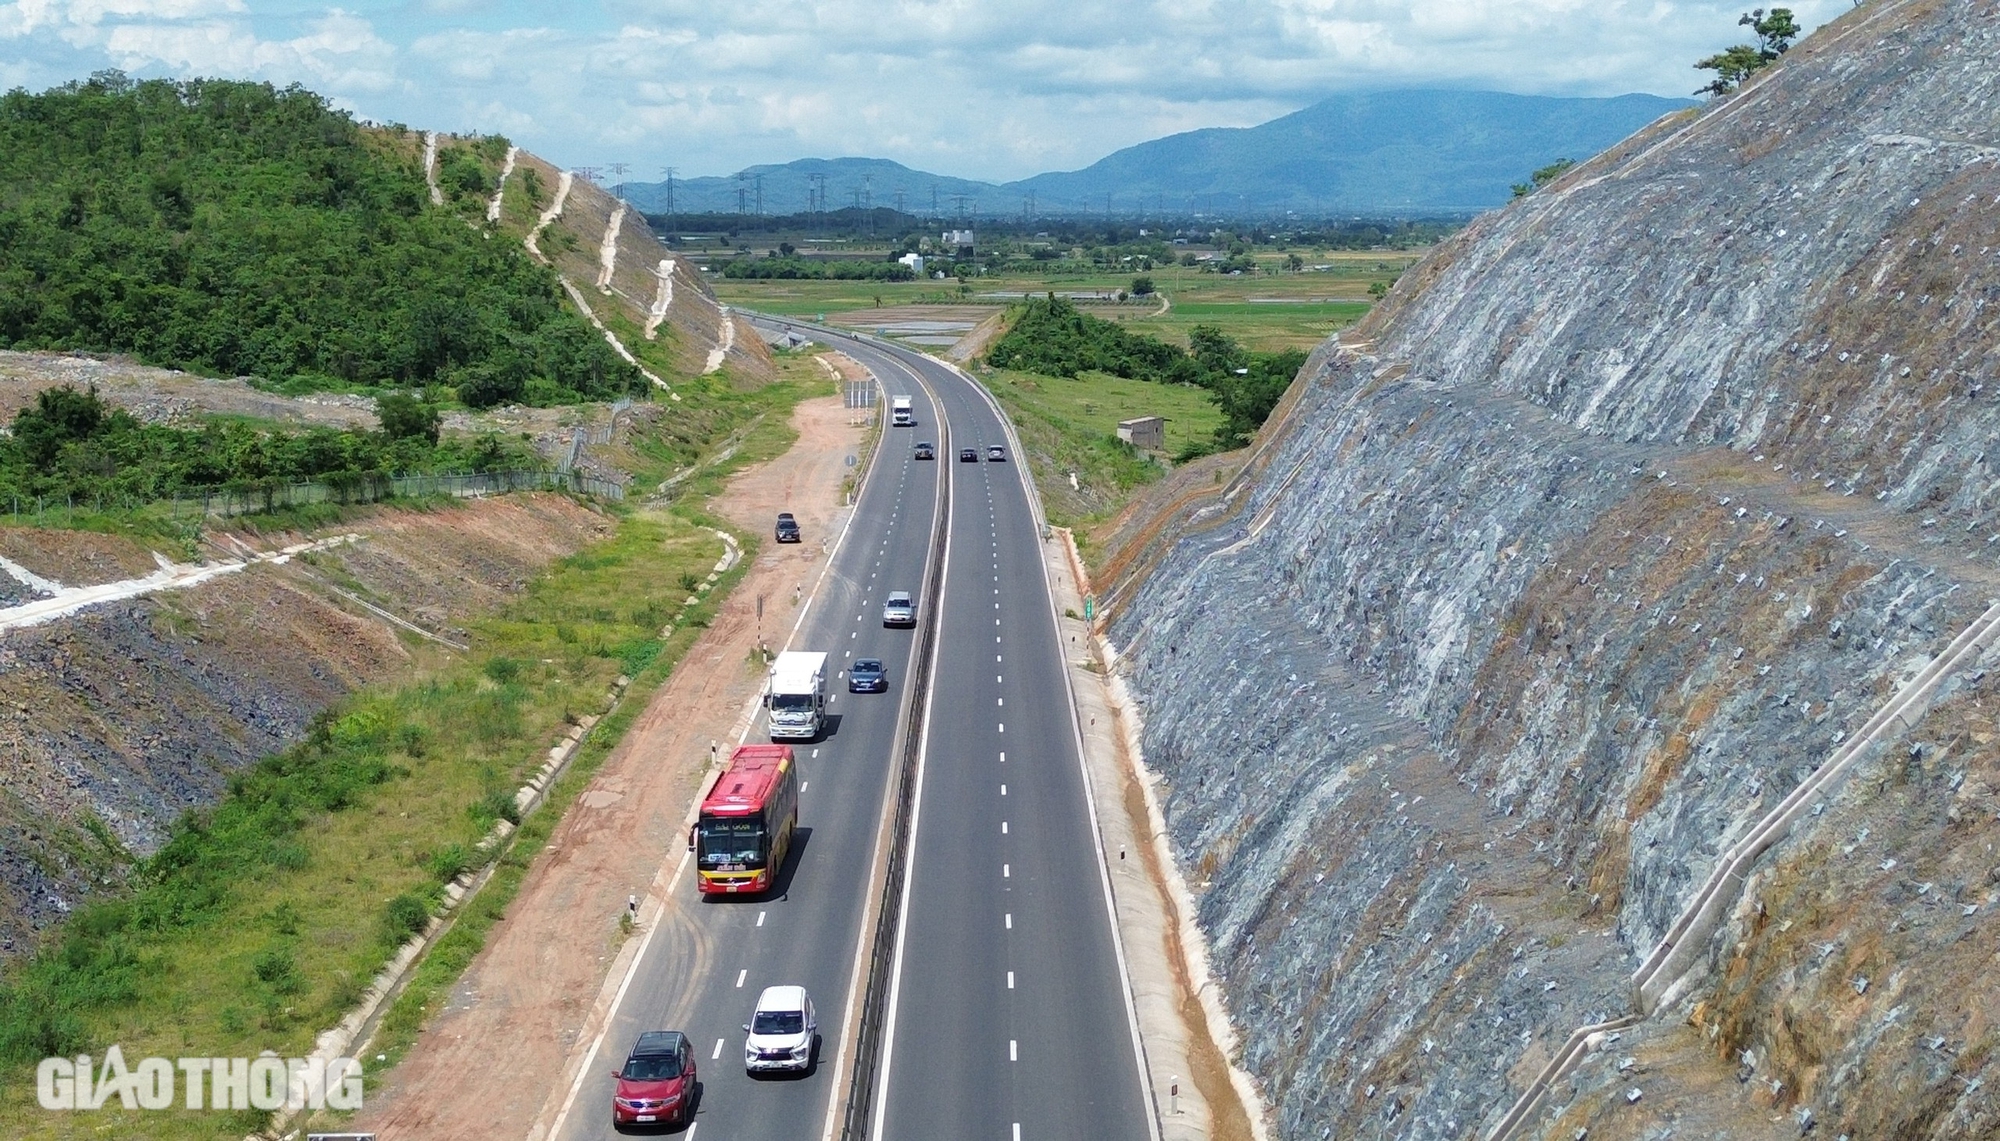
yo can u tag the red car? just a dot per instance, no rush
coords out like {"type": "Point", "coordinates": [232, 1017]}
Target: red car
{"type": "Point", "coordinates": [657, 1083]}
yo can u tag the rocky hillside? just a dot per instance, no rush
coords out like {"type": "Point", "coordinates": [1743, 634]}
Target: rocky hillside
{"type": "Point", "coordinates": [122, 716]}
{"type": "Point", "coordinates": [1631, 509]}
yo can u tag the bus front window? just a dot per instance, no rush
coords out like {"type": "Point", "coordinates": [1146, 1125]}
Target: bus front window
{"type": "Point", "coordinates": [724, 842]}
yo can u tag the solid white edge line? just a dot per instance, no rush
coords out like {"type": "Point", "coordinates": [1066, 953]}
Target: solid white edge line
{"type": "Point", "coordinates": [909, 854]}
{"type": "Point", "coordinates": [646, 942]}
{"type": "Point", "coordinates": [1076, 724]}
{"type": "Point", "coordinates": [1153, 1124]}
{"type": "Point", "coordinates": [861, 939]}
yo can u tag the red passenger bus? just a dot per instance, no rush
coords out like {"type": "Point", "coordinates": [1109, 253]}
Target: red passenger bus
{"type": "Point", "coordinates": [746, 824]}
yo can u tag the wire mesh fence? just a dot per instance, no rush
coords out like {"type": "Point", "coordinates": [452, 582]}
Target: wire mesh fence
{"type": "Point", "coordinates": [252, 498]}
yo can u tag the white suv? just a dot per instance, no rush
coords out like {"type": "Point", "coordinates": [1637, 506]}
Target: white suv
{"type": "Point", "coordinates": [783, 1031]}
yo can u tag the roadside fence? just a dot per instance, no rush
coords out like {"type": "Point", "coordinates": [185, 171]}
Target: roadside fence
{"type": "Point", "coordinates": [253, 497]}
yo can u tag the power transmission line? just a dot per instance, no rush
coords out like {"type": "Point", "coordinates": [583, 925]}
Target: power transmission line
{"type": "Point", "coordinates": [618, 170]}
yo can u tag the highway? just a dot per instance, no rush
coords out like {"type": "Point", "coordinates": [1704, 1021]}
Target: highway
{"type": "Point", "coordinates": [1009, 1017]}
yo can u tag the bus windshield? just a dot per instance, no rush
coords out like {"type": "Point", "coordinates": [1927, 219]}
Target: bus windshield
{"type": "Point", "coordinates": [724, 841]}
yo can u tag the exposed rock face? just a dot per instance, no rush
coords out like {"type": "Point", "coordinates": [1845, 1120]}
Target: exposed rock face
{"type": "Point", "coordinates": [1646, 493]}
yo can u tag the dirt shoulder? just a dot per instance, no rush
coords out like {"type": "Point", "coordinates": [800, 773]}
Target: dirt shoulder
{"type": "Point", "coordinates": [535, 983]}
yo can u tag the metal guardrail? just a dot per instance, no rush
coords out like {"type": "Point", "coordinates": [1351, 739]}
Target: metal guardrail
{"type": "Point", "coordinates": [882, 949]}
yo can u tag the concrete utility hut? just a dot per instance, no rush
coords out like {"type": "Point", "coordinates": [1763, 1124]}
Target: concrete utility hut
{"type": "Point", "coordinates": [1148, 433]}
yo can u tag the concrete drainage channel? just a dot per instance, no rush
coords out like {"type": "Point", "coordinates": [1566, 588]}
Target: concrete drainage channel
{"type": "Point", "coordinates": [352, 1037]}
{"type": "Point", "coordinates": [1670, 969]}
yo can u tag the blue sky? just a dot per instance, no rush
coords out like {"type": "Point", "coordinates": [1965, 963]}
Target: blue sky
{"type": "Point", "coordinates": [994, 89]}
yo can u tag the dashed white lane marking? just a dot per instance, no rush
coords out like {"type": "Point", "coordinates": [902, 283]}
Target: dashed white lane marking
{"type": "Point", "coordinates": [1013, 1049]}
{"type": "Point", "coordinates": [1002, 700]}
{"type": "Point", "coordinates": [740, 976]}
{"type": "Point", "coordinates": [999, 680]}
{"type": "Point", "coordinates": [1010, 980]}
{"type": "Point", "coordinates": [996, 657]}
{"type": "Point", "coordinates": [1017, 1131]}
{"type": "Point", "coordinates": [1010, 921]}
{"type": "Point", "coordinates": [718, 1050]}
{"type": "Point", "coordinates": [996, 637]}
{"type": "Point", "coordinates": [1003, 832]}
{"type": "Point", "coordinates": [1003, 756]}
{"type": "Point", "coordinates": [760, 915]}
{"type": "Point", "coordinates": [1003, 726]}
{"type": "Point", "coordinates": [1003, 792]}
{"type": "Point", "coordinates": [804, 784]}
{"type": "Point", "coordinates": [815, 752]}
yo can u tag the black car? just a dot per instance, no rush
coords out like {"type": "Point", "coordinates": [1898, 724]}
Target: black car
{"type": "Point", "coordinates": [926, 452]}
{"type": "Point", "coordinates": [788, 528]}
{"type": "Point", "coordinates": [867, 676]}
{"type": "Point", "coordinates": [968, 455]}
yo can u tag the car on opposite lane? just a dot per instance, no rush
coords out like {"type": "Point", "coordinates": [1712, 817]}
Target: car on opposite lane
{"type": "Point", "coordinates": [783, 1032]}
{"type": "Point", "coordinates": [867, 675]}
{"type": "Point", "coordinates": [656, 1085]}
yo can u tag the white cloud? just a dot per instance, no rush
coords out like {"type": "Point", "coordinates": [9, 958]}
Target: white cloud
{"type": "Point", "coordinates": [981, 88]}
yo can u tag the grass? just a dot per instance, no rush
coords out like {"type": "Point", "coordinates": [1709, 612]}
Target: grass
{"type": "Point", "coordinates": [264, 918]}
{"type": "Point", "coordinates": [1072, 426]}
{"type": "Point", "coordinates": [1265, 311]}
{"type": "Point", "coordinates": [263, 921]}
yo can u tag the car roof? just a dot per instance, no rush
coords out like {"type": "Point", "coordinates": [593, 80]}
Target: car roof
{"type": "Point", "coordinates": [653, 1042]}
{"type": "Point", "coordinates": [782, 998]}
{"type": "Point", "coordinates": [899, 596]}
{"type": "Point", "coordinates": [867, 663]}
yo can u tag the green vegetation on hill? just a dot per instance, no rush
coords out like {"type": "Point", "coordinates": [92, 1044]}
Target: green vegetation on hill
{"type": "Point", "coordinates": [69, 443]}
{"type": "Point", "coordinates": [237, 229]}
{"type": "Point", "coordinates": [1052, 337]}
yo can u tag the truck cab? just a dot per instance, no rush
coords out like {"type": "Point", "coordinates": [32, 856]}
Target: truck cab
{"type": "Point", "coordinates": [795, 695]}
{"type": "Point", "coordinates": [901, 414]}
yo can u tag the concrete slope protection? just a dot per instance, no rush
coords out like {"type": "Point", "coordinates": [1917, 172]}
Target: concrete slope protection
{"type": "Point", "coordinates": [1009, 1014]}
{"type": "Point", "coordinates": [1565, 616]}
{"type": "Point", "coordinates": [703, 967]}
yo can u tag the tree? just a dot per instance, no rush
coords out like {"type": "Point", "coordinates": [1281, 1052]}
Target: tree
{"type": "Point", "coordinates": [1775, 33]}
{"type": "Point", "coordinates": [1142, 287]}
{"type": "Point", "coordinates": [404, 417]}
{"type": "Point", "coordinates": [1543, 177]}
{"type": "Point", "coordinates": [59, 416]}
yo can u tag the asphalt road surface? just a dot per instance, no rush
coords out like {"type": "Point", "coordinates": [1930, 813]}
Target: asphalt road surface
{"type": "Point", "coordinates": [1010, 1018]}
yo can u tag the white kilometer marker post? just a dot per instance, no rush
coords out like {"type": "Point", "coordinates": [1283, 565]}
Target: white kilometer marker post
{"type": "Point", "coordinates": [741, 975]}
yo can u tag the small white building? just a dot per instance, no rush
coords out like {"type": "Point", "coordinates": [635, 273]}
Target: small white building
{"type": "Point", "coordinates": [915, 262]}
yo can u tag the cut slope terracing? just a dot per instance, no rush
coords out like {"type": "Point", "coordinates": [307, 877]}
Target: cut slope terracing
{"type": "Point", "coordinates": [1626, 514]}
{"type": "Point", "coordinates": [124, 714]}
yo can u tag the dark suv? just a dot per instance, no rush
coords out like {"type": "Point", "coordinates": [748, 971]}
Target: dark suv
{"type": "Point", "coordinates": [788, 528]}
{"type": "Point", "coordinates": [656, 1085]}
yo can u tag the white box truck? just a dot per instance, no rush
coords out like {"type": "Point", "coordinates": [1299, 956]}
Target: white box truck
{"type": "Point", "coordinates": [901, 415]}
{"type": "Point", "coordinates": [795, 694]}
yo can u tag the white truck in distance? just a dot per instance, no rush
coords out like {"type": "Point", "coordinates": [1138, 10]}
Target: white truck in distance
{"type": "Point", "coordinates": [795, 693]}
{"type": "Point", "coordinates": [901, 415]}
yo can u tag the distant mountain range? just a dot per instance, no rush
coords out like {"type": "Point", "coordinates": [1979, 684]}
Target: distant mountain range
{"type": "Point", "coordinates": [1389, 152]}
